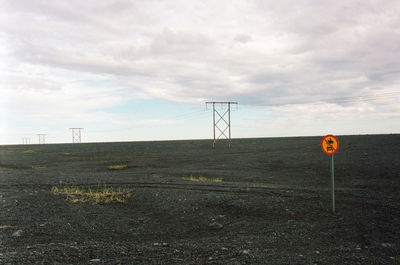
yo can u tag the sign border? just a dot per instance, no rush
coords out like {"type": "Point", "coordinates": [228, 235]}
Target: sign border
{"type": "Point", "coordinates": [336, 139]}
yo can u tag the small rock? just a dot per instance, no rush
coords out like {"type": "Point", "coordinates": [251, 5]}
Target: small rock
{"type": "Point", "coordinates": [246, 251]}
{"type": "Point", "coordinates": [17, 233]}
{"type": "Point", "coordinates": [95, 260]}
{"type": "Point", "coordinates": [216, 226]}
{"type": "Point", "coordinates": [386, 245]}
{"type": "Point", "coordinates": [317, 252]}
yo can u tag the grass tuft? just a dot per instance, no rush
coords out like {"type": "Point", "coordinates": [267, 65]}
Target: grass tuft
{"type": "Point", "coordinates": [202, 179]}
{"type": "Point", "coordinates": [6, 226]}
{"type": "Point", "coordinates": [29, 152]}
{"type": "Point", "coordinates": [117, 167]}
{"type": "Point", "coordinates": [87, 195]}
{"type": "Point", "coordinates": [39, 167]}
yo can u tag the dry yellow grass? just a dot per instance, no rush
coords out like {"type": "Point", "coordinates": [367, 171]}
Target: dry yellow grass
{"type": "Point", "coordinates": [202, 179]}
{"type": "Point", "coordinates": [39, 167]}
{"type": "Point", "coordinates": [65, 154]}
{"type": "Point", "coordinates": [117, 167]}
{"type": "Point", "coordinates": [86, 195]}
{"type": "Point", "coordinates": [6, 226]}
{"type": "Point", "coordinates": [29, 152]}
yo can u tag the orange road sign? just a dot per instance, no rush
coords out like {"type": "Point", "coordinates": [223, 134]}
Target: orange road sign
{"type": "Point", "coordinates": [330, 144]}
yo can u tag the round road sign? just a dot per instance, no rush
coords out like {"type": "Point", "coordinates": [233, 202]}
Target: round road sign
{"type": "Point", "coordinates": [330, 144]}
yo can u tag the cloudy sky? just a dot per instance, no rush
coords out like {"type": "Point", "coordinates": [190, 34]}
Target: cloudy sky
{"type": "Point", "coordinates": [143, 70]}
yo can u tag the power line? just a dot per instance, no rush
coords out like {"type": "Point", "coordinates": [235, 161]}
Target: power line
{"type": "Point", "coordinates": [341, 99]}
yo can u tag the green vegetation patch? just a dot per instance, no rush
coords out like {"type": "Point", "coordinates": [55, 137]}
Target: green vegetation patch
{"type": "Point", "coordinates": [117, 167]}
{"type": "Point", "coordinates": [29, 152]}
{"type": "Point", "coordinates": [202, 179]}
{"type": "Point", "coordinates": [87, 195]}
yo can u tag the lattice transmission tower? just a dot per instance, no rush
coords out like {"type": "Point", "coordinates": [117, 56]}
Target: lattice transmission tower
{"type": "Point", "coordinates": [223, 121]}
{"type": "Point", "coordinates": [26, 140]}
{"type": "Point", "coordinates": [76, 135]}
{"type": "Point", "coordinates": [42, 138]}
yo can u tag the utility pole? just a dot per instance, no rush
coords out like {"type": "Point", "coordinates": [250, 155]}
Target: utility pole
{"type": "Point", "coordinates": [42, 138]}
{"type": "Point", "coordinates": [26, 140]}
{"type": "Point", "coordinates": [76, 135]}
{"type": "Point", "coordinates": [224, 121]}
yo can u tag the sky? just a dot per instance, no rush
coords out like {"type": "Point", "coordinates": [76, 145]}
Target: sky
{"type": "Point", "coordinates": [143, 70]}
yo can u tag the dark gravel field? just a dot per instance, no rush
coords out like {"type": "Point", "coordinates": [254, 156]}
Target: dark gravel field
{"type": "Point", "coordinates": [264, 201]}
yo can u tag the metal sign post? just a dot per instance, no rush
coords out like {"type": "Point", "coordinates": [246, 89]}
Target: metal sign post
{"type": "Point", "coordinates": [330, 146]}
{"type": "Point", "coordinates": [333, 183]}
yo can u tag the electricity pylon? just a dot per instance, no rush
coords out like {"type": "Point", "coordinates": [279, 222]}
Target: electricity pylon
{"type": "Point", "coordinates": [76, 135]}
{"type": "Point", "coordinates": [42, 138]}
{"type": "Point", "coordinates": [223, 123]}
{"type": "Point", "coordinates": [26, 140]}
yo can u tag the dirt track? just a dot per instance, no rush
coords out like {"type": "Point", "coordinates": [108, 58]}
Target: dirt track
{"type": "Point", "coordinates": [273, 205]}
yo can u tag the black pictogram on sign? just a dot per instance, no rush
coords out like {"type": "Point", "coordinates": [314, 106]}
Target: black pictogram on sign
{"type": "Point", "coordinates": [329, 144]}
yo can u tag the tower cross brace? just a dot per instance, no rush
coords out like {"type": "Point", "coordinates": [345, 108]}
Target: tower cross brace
{"type": "Point", "coordinates": [223, 122]}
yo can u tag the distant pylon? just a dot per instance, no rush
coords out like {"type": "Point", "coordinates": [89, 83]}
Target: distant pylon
{"type": "Point", "coordinates": [76, 135]}
{"type": "Point", "coordinates": [26, 140]}
{"type": "Point", "coordinates": [42, 138]}
{"type": "Point", "coordinates": [226, 125]}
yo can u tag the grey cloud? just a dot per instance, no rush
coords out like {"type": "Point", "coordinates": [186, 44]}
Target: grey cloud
{"type": "Point", "coordinates": [292, 52]}
{"type": "Point", "coordinates": [270, 77]}
{"type": "Point", "coordinates": [180, 43]}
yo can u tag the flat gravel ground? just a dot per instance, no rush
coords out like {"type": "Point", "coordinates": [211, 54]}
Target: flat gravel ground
{"type": "Point", "coordinates": [263, 201]}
